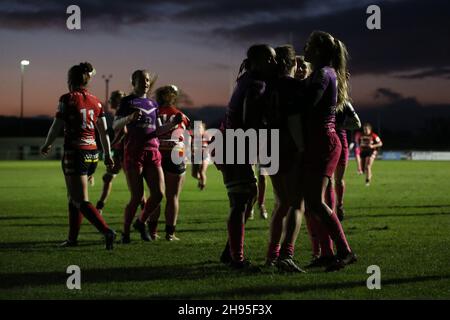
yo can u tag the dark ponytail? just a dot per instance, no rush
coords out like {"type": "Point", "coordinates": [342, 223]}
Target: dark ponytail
{"type": "Point", "coordinates": [286, 58]}
{"type": "Point", "coordinates": [79, 75]}
{"type": "Point", "coordinates": [254, 53]}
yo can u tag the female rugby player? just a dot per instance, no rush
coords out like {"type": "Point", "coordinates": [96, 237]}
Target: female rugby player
{"type": "Point", "coordinates": [79, 113]}
{"type": "Point", "coordinates": [174, 174]}
{"type": "Point", "coordinates": [142, 159]}
{"type": "Point", "coordinates": [287, 182]}
{"type": "Point", "coordinates": [239, 179]}
{"type": "Point", "coordinates": [327, 91]}
{"type": "Point", "coordinates": [369, 143]}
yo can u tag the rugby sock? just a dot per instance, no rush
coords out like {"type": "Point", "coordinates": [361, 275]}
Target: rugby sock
{"type": "Point", "coordinates": [170, 229]}
{"type": "Point", "coordinates": [273, 251]}
{"type": "Point", "coordinates": [94, 217]}
{"type": "Point", "coordinates": [334, 229]}
{"type": "Point", "coordinates": [340, 189]}
{"type": "Point", "coordinates": [75, 219]}
{"type": "Point", "coordinates": [311, 224]}
{"type": "Point", "coordinates": [288, 250]}
{"type": "Point", "coordinates": [153, 228]}
{"type": "Point", "coordinates": [130, 212]}
{"type": "Point", "coordinates": [326, 244]}
{"type": "Point", "coordinates": [236, 234]}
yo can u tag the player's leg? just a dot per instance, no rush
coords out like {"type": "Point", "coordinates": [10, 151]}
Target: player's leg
{"type": "Point", "coordinates": [79, 196]}
{"type": "Point", "coordinates": [241, 188]}
{"type": "Point", "coordinates": [202, 174]}
{"type": "Point", "coordinates": [154, 177]}
{"type": "Point", "coordinates": [174, 185]}
{"type": "Point", "coordinates": [75, 219]}
{"type": "Point", "coordinates": [262, 184]}
{"type": "Point", "coordinates": [340, 190]}
{"type": "Point", "coordinates": [280, 211]}
{"type": "Point", "coordinates": [369, 162]}
{"type": "Point", "coordinates": [133, 176]}
{"type": "Point", "coordinates": [316, 198]}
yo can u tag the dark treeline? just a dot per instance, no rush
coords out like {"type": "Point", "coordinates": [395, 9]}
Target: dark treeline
{"type": "Point", "coordinates": [419, 131]}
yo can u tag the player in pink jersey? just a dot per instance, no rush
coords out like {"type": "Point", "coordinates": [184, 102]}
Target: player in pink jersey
{"type": "Point", "coordinates": [174, 173]}
{"type": "Point", "coordinates": [327, 91]}
{"type": "Point", "coordinates": [369, 142]}
{"type": "Point", "coordinates": [287, 182]}
{"type": "Point", "coordinates": [79, 113]}
{"type": "Point", "coordinates": [142, 159]}
{"type": "Point", "coordinates": [239, 179]}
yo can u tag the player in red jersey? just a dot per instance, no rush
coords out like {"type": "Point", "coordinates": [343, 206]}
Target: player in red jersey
{"type": "Point", "coordinates": [369, 142]}
{"type": "Point", "coordinates": [327, 91]}
{"type": "Point", "coordinates": [79, 112]}
{"type": "Point", "coordinates": [142, 159]}
{"type": "Point", "coordinates": [174, 174]}
{"type": "Point", "coordinates": [117, 150]}
{"type": "Point", "coordinates": [198, 170]}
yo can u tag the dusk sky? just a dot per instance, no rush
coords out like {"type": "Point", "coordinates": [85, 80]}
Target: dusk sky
{"type": "Point", "coordinates": [198, 45]}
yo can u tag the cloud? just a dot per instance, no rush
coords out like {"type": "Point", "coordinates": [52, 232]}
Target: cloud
{"type": "Point", "coordinates": [387, 93]}
{"type": "Point", "coordinates": [413, 36]}
{"type": "Point", "coordinates": [438, 72]}
{"type": "Point", "coordinates": [412, 44]}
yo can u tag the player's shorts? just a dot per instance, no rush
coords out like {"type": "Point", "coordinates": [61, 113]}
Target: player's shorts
{"type": "Point", "coordinates": [79, 162]}
{"type": "Point", "coordinates": [322, 155]}
{"type": "Point", "coordinates": [357, 151]}
{"type": "Point", "coordinates": [239, 178]}
{"type": "Point", "coordinates": [343, 159]}
{"type": "Point", "coordinates": [142, 159]}
{"type": "Point", "coordinates": [169, 166]}
{"type": "Point", "coordinates": [118, 161]}
{"type": "Point", "coordinates": [367, 153]}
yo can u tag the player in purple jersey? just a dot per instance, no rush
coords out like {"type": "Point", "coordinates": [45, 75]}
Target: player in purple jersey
{"type": "Point", "coordinates": [327, 91]}
{"type": "Point", "coordinates": [239, 179]}
{"type": "Point", "coordinates": [142, 160]}
{"type": "Point", "coordinates": [286, 92]}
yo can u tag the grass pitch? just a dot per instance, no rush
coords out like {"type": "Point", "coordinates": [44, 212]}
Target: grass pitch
{"type": "Point", "coordinates": [400, 223]}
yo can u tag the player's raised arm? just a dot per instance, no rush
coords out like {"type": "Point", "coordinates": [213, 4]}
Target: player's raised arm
{"type": "Point", "coordinates": [53, 133]}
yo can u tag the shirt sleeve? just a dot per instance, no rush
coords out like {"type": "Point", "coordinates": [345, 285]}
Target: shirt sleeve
{"type": "Point", "coordinates": [62, 107]}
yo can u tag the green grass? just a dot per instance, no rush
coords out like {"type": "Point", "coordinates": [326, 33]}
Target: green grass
{"type": "Point", "coordinates": [401, 223]}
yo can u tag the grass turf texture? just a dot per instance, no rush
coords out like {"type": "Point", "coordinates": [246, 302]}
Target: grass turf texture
{"type": "Point", "coordinates": [400, 223]}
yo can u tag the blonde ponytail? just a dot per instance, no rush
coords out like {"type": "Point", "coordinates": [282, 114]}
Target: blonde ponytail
{"type": "Point", "coordinates": [340, 59]}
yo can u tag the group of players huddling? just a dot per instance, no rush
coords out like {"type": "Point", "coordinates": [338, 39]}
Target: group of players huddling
{"type": "Point", "coordinates": [305, 97]}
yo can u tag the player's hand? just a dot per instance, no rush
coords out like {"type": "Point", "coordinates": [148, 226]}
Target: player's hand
{"type": "Point", "coordinates": [134, 116]}
{"type": "Point", "coordinates": [45, 149]}
{"type": "Point", "coordinates": [109, 162]}
{"type": "Point", "coordinates": [178, 118]}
